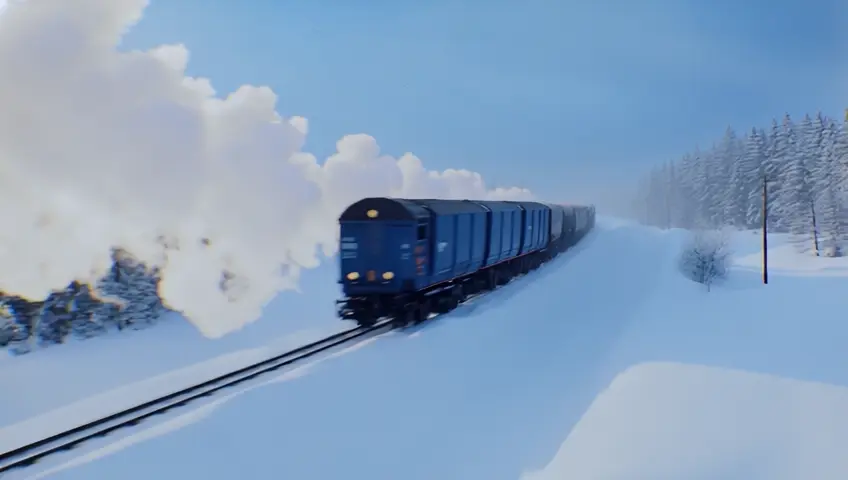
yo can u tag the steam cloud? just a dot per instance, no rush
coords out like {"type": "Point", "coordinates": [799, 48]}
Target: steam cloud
{"type": "Point", "coordinates": [101, 148]}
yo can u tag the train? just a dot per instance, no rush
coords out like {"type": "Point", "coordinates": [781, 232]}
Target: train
{"type": "Point", "coordinates": [406, 259]}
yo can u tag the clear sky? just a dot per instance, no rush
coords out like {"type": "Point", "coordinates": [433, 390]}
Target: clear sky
{"type": "Point", "coordinates": [559, 96]}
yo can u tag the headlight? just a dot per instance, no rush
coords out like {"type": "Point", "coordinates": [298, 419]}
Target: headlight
{"type": "Point", "coordinates": [388, 276]}
{"type": "Point", "coordinates": [353, 276]}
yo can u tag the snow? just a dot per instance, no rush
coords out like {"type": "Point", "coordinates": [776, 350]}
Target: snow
{"type": "Point", "coordinates": [605, 364]}
{"type": "Point", "coordinates": [158, 360]}
{"type": "Point", "coordinates": [671, 421]}
{"type": "Point", "coordinates": [156, 164]}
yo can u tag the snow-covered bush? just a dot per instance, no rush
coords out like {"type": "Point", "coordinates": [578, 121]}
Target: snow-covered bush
{"type": "Point", "coordinates": [706, 258]}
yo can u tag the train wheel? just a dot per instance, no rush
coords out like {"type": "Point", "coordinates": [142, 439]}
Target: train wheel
{"type": "Point", "coordinates": [405, 317]}
{"type": "Point", "coordinates": [503, 277]}
{"type": "Point", "coordinates": [492, 280]}
{"type": "Point", "coordinates": [459, 294]}
{"type": "Point", "coordinates": [423, 311]}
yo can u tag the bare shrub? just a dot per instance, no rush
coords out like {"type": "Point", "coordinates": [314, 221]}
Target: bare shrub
{"type": "Point", "coordinates": [706, 258]}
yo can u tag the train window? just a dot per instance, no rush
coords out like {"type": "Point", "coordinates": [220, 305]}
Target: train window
{"type": "Point", "coordinates": [422, 231]}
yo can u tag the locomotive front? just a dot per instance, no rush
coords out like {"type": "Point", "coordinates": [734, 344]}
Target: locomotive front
{"type": "Point", "coordinates": [381, 251]}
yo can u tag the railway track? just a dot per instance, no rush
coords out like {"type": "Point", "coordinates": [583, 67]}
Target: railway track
{"type": "Point", "coordinates": [30, 454]}
{"type": "Point", "coordinates": [27, 455]}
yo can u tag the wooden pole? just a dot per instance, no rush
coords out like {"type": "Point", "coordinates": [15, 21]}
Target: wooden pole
{"type": "Point", "coordinates": [765, 230]}
{"type": "Point", "coordinates": [815, 228]}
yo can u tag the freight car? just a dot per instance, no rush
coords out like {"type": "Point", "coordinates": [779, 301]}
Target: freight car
{"type": "Point", "coordinates": [406, 259]}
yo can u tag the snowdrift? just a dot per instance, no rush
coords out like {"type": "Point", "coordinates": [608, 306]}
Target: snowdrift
{"type": "Point", "coordinates": [671, 421]}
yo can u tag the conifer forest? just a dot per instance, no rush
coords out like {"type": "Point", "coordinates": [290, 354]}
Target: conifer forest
{"type": "Point", "coordinates": [802, 165]}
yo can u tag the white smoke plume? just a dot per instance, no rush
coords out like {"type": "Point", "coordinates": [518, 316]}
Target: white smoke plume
{"type": "Point", "coordinates": [101, 148]}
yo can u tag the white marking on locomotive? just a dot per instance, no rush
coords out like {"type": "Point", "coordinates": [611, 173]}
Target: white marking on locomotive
{"type": "Point", "coordinates": [442, 246]}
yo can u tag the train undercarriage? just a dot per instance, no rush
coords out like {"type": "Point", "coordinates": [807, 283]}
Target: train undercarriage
{"type": "Point", "coordinates": [412, 308]}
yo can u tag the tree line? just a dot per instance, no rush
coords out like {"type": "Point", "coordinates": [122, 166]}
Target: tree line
{"type": "Point", "coordinates": [125, 298]}
{"type": "Point", "coordinates": [803, 164]}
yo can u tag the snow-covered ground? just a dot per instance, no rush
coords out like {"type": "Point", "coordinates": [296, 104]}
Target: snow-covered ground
{"type": "Point", "coordinates": [51, 390]}
{"type": "Point", "coordinates": [675, 421]}
{"type": "Point", "coordinates": [606, 364]}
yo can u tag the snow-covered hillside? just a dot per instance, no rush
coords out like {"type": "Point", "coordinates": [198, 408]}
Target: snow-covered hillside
{"type": "Point", "coordinates": [605, 364]}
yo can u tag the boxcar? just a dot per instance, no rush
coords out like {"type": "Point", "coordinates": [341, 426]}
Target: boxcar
{"type": "Point", "coordinates": [536, 226]}
{"type": "Point", "coordinates": [582, 220]}
{"type": "Point", "coordinates": [503, 231]}
{"type": "Point", "coordinates": [406, 258]}
{"type": "Point", "coordinates": [557, 222]}
{"type": "Point", "coordinates": [456, 239]}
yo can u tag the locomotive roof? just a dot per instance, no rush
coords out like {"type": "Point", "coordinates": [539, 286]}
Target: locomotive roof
{"type": "Point", "coordinates": [386, 208]}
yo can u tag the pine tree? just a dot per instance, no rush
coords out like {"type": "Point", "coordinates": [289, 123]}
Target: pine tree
{"type": "Point", "coordinates": [734, 201]}
{"type": "Point", "coordinates": [806, 166]}
{"type": "Point", "coordinates": [828, 176]}
{"type": "Point", "coordinates": [752, 170]}
{"type": "Point", "coordinates": [127, 297]}
{"type": "Point", "coordinates": [687, 188]}
{"type": "Point", "coordinates": [8, 328]}
{"type": "Point", "coordinates": [132, 290]}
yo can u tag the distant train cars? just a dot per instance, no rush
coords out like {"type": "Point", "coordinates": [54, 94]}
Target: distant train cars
{"type": "Point", "coordinates": [405, 259]}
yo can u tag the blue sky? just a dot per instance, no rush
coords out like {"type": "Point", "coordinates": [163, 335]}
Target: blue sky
{"type": "Point", "coordinates": [559, 96]}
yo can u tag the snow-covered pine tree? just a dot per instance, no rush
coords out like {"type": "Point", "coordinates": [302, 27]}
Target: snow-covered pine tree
{"type": "Point", "coordinates": [813, 137]}
{"type": "Point", "coordinates": [131, 289]}
{"type": "Point", "coordinates": [55, 318]}
{"type": "Point", "coordinates": [712, 187]}
{"type": "Point", "coordinates": [88, 313]}
{"type": "Point", "coordinates": [698, 180]}
{"type": "Point", "coordinates": [782, 154]}
{"type": "Point", "coordinates": [815, 158]}
{"type": "Point", "coordinates": [752, 168]}
{"type": "Point", "coordinates": [807, 167]}
{"type": "Point", "coordinates": [840, 152]}
{"type": "Point", "coordinates": [735, 195]}
{"type": "Point", "coordinates": [830, 207]}
{"type": "Point", "coordinates": [8, 327]}
{"type": "Point", "coordinates": [796, 198]}
{"type": "Point", "coordinates": [676, 200]}
{"type": "Point", "coordinates": [687, 174]}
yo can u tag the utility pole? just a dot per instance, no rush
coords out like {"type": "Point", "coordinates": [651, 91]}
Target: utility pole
{"type": "Point", "coordinates": [815, 228]}
{"type": "Point", "coordinates": [765, 229]}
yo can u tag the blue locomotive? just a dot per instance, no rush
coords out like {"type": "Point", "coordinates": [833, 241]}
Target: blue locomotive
{"type": "Point", "coordinates": [406, 259]}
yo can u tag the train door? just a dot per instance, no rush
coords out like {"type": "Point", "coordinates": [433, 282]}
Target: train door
{"type": "Point", "coordinates": [421, 252]}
